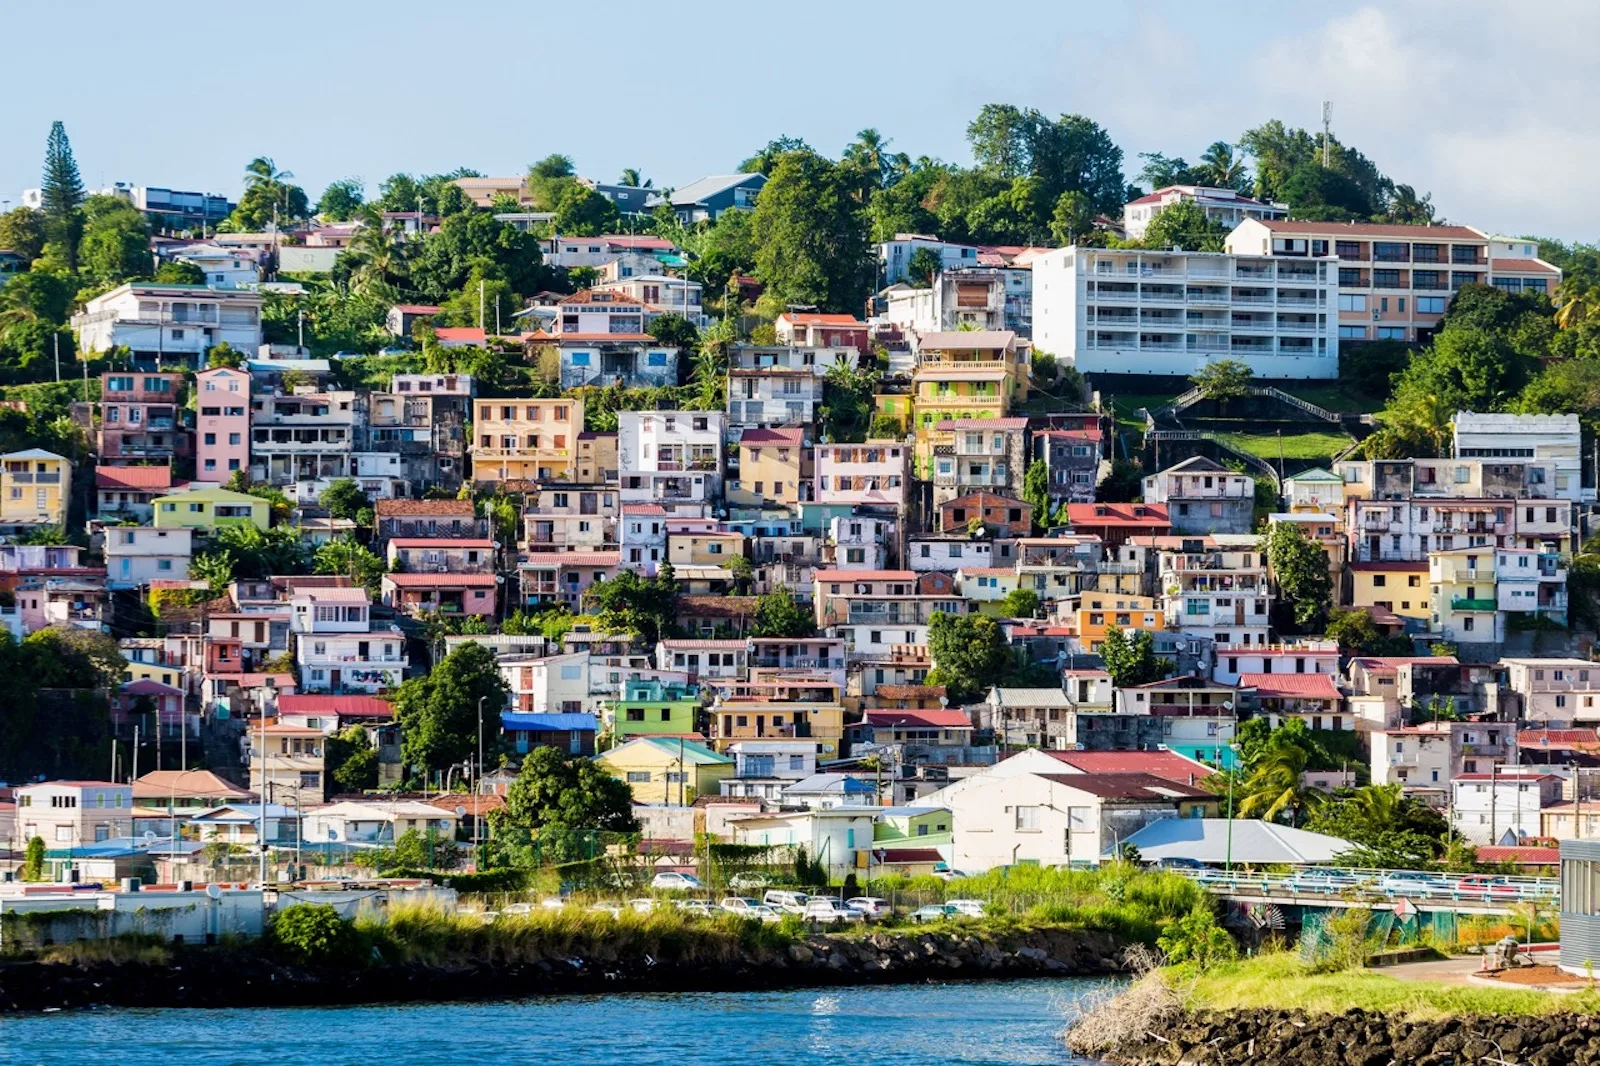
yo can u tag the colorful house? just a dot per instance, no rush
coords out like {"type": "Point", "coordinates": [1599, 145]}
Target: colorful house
{"type": "Point", "coordinates": [206, 509]}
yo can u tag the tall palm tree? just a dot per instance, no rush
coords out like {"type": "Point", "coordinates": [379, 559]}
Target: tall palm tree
{"type": "Point", "coordinates": [1222, 167]}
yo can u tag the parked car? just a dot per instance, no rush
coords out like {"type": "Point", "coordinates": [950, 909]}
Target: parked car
{"type": "Point", "coordinates": [870, 906]}
{"type": "Point", "coordinates": [828, 911]}
{"type": "Point", "coordinates": [675, 882]}
{"type": "Point", "coordinates": [934, 912]}
{"type": "Point", "coordinates": [749, 881]}
{"type": "Point", "coordinates": [968, 908]}
{"type": "Point", "coordinates": [740, 904]}
{"type": "Point", "coordinates": [787, 902]}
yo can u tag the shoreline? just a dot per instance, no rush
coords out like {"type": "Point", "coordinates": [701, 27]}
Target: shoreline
{"type": "Point", "coordinates": [219, 977]}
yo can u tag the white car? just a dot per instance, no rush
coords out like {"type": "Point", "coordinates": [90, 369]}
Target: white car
{"type": "Point", "coordinates": [829, 911]}
{"type": "Point", "coordinates": [675, 882]}
{"type": "Point", "coordinates": [870, 906]}
{"type": "Point", "coordinates": [742, 905]}
{"type": "Point", "coordinates": [968, 908]}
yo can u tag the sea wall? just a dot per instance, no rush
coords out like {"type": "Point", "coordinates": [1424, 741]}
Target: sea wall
{"type": "Point", "coordinates": [230, 977]}
{"type": "Point", "coordinates": [1356, 1038]}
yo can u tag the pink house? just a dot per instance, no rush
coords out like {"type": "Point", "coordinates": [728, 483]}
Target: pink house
{"type": "Point", "coordinates": [222, 423]}
{"type": "Point", "coordinates": [450, 593]}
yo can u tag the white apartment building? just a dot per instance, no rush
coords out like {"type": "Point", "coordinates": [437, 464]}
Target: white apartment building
{"type": "Point", "coordinates": [1215, 588]}
{"type": "Point", "coordinates": [1555, 693]}
{"type": "Point", "coordinates": [1553, 439]}
{"type": "Point", "coordinates": [169, 321]}
{"type": "Point", "coordinates": [337, 647]}
{"type": "Point", "coordinates": [870, 474]}
{"type": "Point", "coordinates": [303, 439]}
{"type": "Point", "coordinates": [71, 814]}
{"type": "Point", "coordinates": [1226, 207]}
{"type": "Point", "coordinates": [1142, 312]}
{"type": "Point", "coordinates": [670, 455]}
{"type": "Point", "coordinates": [895, 255]}
{"type": "Point", "coordinates": [138, 555]}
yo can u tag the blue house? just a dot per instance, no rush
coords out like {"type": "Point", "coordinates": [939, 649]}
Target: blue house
{"type": "Point", "coordinates": [572, 732]}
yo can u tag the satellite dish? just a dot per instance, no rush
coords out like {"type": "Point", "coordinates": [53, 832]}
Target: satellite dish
{"type": "Point", "coordinates": [213, 892]}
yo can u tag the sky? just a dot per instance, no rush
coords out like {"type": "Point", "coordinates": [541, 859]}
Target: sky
{"type": "Point", "coordinates": [1484, 104]}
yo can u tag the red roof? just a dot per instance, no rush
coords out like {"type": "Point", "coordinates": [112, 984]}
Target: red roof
{"type": "Point", "coordinates": [133, 477]}
{"type": "Point", "coordinates": [1138, 515]}
{"type": "Point", "coordinates": [940, 719]}
{"type": "Point", "coordinates": [1167, 764]}
{"type": "Point", "coordinates": [1319, 686]}
{"type": "Point", "coordinates": [350, 706]}
{"type": "Point", "coordinates": [428, 581]}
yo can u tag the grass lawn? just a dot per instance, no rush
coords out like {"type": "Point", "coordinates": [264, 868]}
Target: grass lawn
{"type": "Point", "coordinates": [1314, 445]}
{"type": "Point", "coordinates": [1280, 981]}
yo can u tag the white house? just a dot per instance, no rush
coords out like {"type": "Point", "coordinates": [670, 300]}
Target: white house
{"type": "Point", "coordinates": [138, 555]}
{"type": "Point", "coordinates": [1150, 312]}
{"type": "Point", "coordinates": [157, 321]}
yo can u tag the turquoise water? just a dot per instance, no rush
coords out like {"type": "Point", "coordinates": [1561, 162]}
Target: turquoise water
{"type": "Point", "coordinates": [988, 1023]}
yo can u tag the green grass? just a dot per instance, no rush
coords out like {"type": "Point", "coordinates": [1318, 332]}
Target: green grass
{"type": "Point", "coordinates": [1312, 445]}
{"type": "Point", "coordinates": [1279, 980]}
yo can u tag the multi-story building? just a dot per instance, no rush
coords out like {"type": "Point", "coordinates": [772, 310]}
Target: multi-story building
{"type": "Point", "coordinates": [525, 440]}
{"type": "Point", "coordinates": [35, 486]}
{"type": "Point", "coordinates": [139, 419]}
{"type": "Point", "coordinates": [979, 455]}
{"type": "Point", "coordinates": [302, 442]}
{"type": "Point", "coordinates": [775, 469]}
{"type": "Point", "coordinates": [1148, 312]}
{"type": "Point", "coordinates": [670, 456]}
{"type": "Point", "coordinates": [1395, 281]}
{"type": "Point", "coordinates": [138, 555]}
{"type": "Point", "coordinates": [1215, 587]}
{"type": "Point", "coordinates": [423, 419]}
{"type": "Point", "coordinates": [1203, 496]}
{"type": "Point", "coordinates": [338, 646]}
{"type": "Point", "coordinates": [222, 423]}
{"type": "Point", "coordinates": [158, 322]}
{"type": "Point", "coordinates": [1226, 207]}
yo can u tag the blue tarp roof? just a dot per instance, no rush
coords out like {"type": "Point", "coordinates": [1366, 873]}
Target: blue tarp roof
{"type": "Point", "coordinates": [570, 720]}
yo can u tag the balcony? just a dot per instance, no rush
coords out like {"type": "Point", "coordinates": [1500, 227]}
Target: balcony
{"type": "Point", "coordinates": [1463, 604]}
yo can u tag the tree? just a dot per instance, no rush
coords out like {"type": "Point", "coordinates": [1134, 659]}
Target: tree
{"type": "Point", "coordinates": [1020, 603]}
{"type": "Point", "coordinates": [969, 654]}
{"type": "Point", "coordinates": [779, 614]}
{"type": "Point", "coordinates": [1132, 662]}
{"type": "Point", "coordinates": [1184, 225]}
{"type": "Point", "coordinates": [923, 267]}
{"type": "Point", "coordinates": [351, 761]}
{"type": "Point", "coordinates": [60, 194]}
{"type": "Point", "coordinates": [438, 712]}
{"type": "Point", "coordinates": [1300, 568]}
{"type": "Point", "coordinates": [1073, 217]}
{"type": "Point", "coordinates": [176, 273]}
{"type": "Point", "coordinates": [348, 557]}
{"type": "Point", "coordinates": [1223, 380]}
{"type": "Point", "coordinates": [22, 230]}
{"type": "Point", "coordinates": [116, 241]}
{"type": "Point", "coordinates": [553, 792]}
{"type": "Point", "coordinates": [342, 199]}
{"type": "Point", "coordinates": [811, 236]}
{"type": "Point", "coordinates": [643, 605]}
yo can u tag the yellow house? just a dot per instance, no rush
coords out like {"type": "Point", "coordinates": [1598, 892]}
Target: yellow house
{"type": "Point", "coordinates": [667, 770]}
{"type": "Point", "coordinates": [526, 439]}
{"type": "Point", "coordinates": [1099, 611]}
{"type": "Point", "coordinates": [1394, 585]}
{"type": "Point", "coordinates": [774, 469]}
{"type": "Point", "coordinates": [1461, 593]}
{"type": "Point", "coordinates": [209, 508]}
{"type": "Point", "coordinates": [704, 547]}
{"type": "Point", "coordinates": [34, 486]}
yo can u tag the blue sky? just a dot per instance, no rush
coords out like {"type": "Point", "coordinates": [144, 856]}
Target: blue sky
{"type": "Point", "coordinates": [1476, 101]}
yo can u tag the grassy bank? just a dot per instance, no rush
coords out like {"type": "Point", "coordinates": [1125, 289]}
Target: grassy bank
{"type": "Point", "coordinates": [1280, 981]}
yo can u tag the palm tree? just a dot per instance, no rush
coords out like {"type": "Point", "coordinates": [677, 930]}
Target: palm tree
{"type": "Point", "coordinates": [630, 178]}
{"type": "Point", "coordinates": [1222, 167]}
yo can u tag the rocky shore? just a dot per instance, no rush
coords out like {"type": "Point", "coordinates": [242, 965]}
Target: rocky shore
{"type": "Point", "coordinates": [1356, 1038]}
{"type": "Point", "coordinates": [234, 977]}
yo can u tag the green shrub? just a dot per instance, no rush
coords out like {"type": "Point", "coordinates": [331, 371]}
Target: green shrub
{"type": "Point", "coordinates": [314, 934]}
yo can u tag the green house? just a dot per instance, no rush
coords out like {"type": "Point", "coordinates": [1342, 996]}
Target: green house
{"type": "Point", "coordinates": [650, 707]}
{"type": "Point", "coordinates": [207, 509]}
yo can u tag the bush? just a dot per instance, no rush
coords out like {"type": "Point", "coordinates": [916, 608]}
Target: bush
{"type": "Point", "coordinates": [313, 934]}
